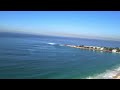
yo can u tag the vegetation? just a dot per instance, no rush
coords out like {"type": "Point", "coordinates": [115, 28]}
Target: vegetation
{"type": "Point", "coordinates": [99, 48]}
{"type": "Point", "coordinates": [110, 49]}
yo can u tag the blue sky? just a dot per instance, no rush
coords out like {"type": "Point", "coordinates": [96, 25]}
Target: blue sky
{"type": "Point", "coordinates": [89, 24]}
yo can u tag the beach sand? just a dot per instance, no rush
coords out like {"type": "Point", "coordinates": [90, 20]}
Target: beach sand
{"type": "Point", "coordinates": [117, 76]}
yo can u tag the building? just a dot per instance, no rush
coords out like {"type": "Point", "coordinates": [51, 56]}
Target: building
{"type": "Point", "coordinates": [114, 50]}
{"type": "Point", "coordinates": [101, 48]}
{"type": "Point", "coordinates": [98, 47]}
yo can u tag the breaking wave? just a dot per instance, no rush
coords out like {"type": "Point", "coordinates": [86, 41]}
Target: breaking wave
{"type": "Point", "coordinates": [52, 43]}
{"type": "Point", "coordinates": [55, 44]}
{"type": "Point", "coordinates": [108, 74]}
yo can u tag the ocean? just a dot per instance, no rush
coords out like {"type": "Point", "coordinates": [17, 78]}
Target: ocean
{"type": "Point", "coordinates": [45, 57]}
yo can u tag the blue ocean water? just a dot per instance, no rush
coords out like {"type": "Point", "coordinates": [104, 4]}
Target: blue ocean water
{"type": "Point", "coordinates": [46, 58]}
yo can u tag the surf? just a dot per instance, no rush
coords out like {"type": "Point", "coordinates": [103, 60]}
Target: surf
{"type": "Point", "coordinates": [52, 43]}
{"type": "Point", "coordinates": [56, 44]}
{"type": "Point", "coordinates": [108, 74]}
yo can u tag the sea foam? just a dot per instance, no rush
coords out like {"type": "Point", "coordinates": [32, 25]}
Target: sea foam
{"type": "Point", "coordinates": [108, 74]}
{"type": "Point", "coordinates": [55, 44]}
{"type": "Point", "coordinates": [52, 43]}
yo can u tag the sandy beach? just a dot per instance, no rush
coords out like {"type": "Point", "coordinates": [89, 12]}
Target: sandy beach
{"type": "Point", "coordinates": [117, 76]}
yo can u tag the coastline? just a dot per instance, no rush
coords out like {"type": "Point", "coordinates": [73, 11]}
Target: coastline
{"type": "Point", "coordinates": [97, 48]}
{"type": "Point", "coordinates": [113, 74]}
{"type": "Point", "coordinates": [108, 74]}
{"type": "Point", "coordinates": [117, 76]}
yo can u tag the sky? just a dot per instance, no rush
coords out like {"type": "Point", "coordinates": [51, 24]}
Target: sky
{"type": "Point", "coordinates": [89, 24]}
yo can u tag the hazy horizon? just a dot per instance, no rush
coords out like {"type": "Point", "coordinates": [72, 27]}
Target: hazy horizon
{"type": "Point", "coordinates": [4, 33]}
{"type": "Point", "coordinates": [80, 24]}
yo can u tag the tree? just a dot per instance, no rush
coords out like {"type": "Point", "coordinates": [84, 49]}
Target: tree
{"type": "Point", "coordinates": [110, 49]}
{"type": "Point", "coordinates": [82, 45]}
{"type": "Point", "coordinates": [117, 48]}
{"type": "Point", "coordinates": [105, 48]}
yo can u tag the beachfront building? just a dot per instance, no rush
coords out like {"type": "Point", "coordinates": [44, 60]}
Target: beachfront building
{"type": "Point", "coordinates": [106, 49]}
{"type": "Point", "coordinates": [114, 50]}
{"type": "Point", "coordinates": [98, 47]}
{"type": "Point", "coordinates": [101, 48]}
{"type": "Point", "coordinates": [94, 47]}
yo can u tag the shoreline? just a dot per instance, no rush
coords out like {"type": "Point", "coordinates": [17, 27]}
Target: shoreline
{"type": "Point", "coordinates": [117, 76]}
{"type": "Point", "coordinates": [97, 48]}
{"type": "Point", "coordinates": [112, 74]}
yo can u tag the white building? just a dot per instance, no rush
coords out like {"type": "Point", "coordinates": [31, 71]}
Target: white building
{"type": "Point", "coordinates": [73, 46]}
{"type": "Point", "coordinates": [101, 48]}
{"type": "Point", "coordinates": [114, 50]}
{"type": "Point", "coordinates": [98, 47]}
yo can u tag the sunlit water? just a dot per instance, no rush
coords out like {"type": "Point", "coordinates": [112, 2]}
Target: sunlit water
{"type": "Point", "coordinates": [47, 58]}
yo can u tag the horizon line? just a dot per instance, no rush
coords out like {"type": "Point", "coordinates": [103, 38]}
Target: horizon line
{"type": "Point", "coordinates": [36, 34]}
